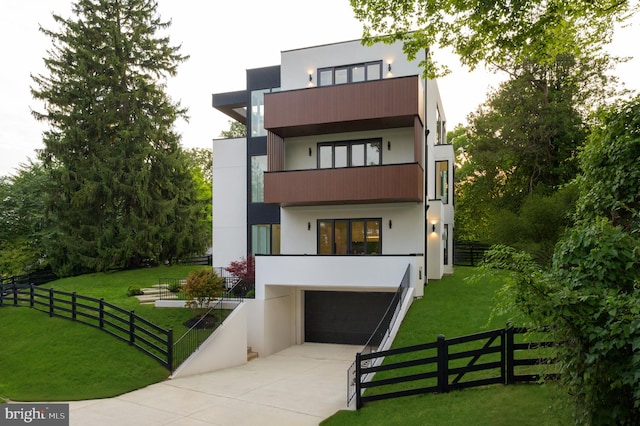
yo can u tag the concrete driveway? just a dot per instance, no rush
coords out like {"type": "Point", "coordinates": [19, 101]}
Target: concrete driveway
{"type": "Point", "coordinates": [301, 385]}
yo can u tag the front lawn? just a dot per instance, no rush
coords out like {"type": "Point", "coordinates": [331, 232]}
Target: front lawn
{"type": "Point", "coordinates": [55, 359]}
{"type": "Point", "coordinates": [454, 307]}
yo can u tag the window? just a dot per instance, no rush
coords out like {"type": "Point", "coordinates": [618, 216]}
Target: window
{"type": "Point", "coordinates": [349, 236]}
{"type": "Point", "coordinates": [258, 167]}
{"type": "Point", "coordinates": [350, 73]}
{"type": "Point", "coordinates": [442, 181]}
{"type": "Point", "coordinates": [265, 239]}
{"type": "Point", "coordinates": [366, 152]}
{"type": "Point", "coordinates": [441, 128]}
{"type": "Point", "coordinates": [257, 111]}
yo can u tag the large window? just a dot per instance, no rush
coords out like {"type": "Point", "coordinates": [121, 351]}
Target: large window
{"type": "Point", "coordinates": [258, 167]}
{"type": "Point", "coordinates": [349, 236]}
{"type": "Point", "coordinates": [350, 73]}
{"type": "Point", "coordinates": [265, 239]}
{"type": "Point", "coordinates": [257, 111]}
{"type": "Point", "coordinates": [442, 181]}
{"type": "Point", "coordinates": [366, 152]}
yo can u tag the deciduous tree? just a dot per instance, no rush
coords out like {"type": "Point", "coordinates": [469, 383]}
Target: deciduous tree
{"type": "Point", "coordinates": [493, 32]}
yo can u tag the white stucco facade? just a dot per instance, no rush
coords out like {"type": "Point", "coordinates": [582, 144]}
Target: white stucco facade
{"type": "Point", "coordinates": [229, 200]}
{"type": "Point", "coordinates": [406, 239]}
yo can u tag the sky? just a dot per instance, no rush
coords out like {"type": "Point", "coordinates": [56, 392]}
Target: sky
{"type": "Point", "coordinates": [223, 40]}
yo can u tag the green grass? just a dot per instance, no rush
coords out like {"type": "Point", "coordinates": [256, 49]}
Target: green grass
{"type": "Point", "coordinates": [55, 359]}
{"type": "Point", "coordinates": [113, 286]}
{"type": "Point", "coordinates": [456, 307]}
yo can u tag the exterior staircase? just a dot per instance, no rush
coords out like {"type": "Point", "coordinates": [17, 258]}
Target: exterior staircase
{"type": "Point", "coordinates": [151, 294]}
{"type": "Point", "coordinates": [251, 355]}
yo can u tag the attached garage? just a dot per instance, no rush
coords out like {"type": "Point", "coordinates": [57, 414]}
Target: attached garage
{"type": "Point", "coordinates": [343, 317]}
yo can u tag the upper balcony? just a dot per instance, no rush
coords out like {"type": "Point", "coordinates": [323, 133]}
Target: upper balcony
{"type": "Point", "coordinates": [349, 185]}
{"type": "Point", "coordinates": [387, 103]}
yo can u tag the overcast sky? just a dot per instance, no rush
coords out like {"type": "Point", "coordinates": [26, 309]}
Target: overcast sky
{"type": "Point", "coordinates": [223, 40]}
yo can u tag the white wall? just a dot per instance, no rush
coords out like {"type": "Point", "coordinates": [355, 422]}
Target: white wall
{"type": "Point", "coordinates": [229, 200]}
{"type": "Point", "coordinates": [404, 237]}
{"type": "Point", "coordinates": [401, 142]}
{"type": "Point", "coordinates": [226, 347]}
{"type": "Point", "coordinates": [277, 321]}
{"type": "Point", "coordinates": [298, 64]}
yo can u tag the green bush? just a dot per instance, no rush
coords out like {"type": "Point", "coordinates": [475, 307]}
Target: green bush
{"type": "Point", "coordinates": [202, 287]}
{"type": "Point", "coordinates": [134, 291]}
{"type": "Point", "coordinates": [175, 287]}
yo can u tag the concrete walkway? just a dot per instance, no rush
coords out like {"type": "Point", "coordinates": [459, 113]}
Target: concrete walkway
{"type": "Point", "coordinates": [301, 385]}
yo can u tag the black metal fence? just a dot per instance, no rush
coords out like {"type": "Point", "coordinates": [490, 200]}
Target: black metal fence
{"type": "Point", "coordinates": [200, 331]}
{"type": "Point", "coordinates": [498, 356]}
{"type": "Point", "coordinates": [37, 277]}
{"type": "Point", "coordinates": [469, 253]}
{"type": "Point", "coordinates": [171, 288]}
{"type": "Point", "coordinates": [154, 341]}
{"type": "Point", "coordinates": [383, 330]}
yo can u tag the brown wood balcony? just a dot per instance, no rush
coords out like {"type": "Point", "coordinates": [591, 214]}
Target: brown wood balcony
{"type": "Point", "coordinates": [352, 185]}
{"type": "Point", "coordinates": [387, 103]}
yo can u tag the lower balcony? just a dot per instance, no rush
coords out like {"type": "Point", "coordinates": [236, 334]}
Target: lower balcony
{"type": "Point", "coordinates": [373, 184]}
{"type": "Point", "coordinates": [382, 272]}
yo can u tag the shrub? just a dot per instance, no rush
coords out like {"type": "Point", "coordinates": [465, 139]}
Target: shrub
{"type": "Point", "coordinates": [175, 287]}
{"type": "Point", "coordinates": [201, 288]}
{"type": "Point", "coordinates": [134, 291]}
{"type": "Point", "coordinates": [245, 270]}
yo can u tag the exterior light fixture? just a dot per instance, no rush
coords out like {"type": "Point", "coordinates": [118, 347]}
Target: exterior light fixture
{"type": "Point", "coordinates": [433, 227]}
{"type": "Point", "coordinates": [390, 224]}
{"type": "Point", "coordinates": [389, 66]}
{"type": "Point", "coordinates": [310, 77]}
{"type": "Point", "coordinates": [309, 151]}
{"type": "Point", "coordinates": [388, 145]}
{"type": "Point", "coordinates": [308, 226]}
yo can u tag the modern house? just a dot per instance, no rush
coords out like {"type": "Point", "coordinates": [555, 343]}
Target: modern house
{"type": "Point", "coordinates": [342, 186]}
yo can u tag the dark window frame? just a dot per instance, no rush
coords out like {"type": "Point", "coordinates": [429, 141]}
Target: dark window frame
{"type": "Point", "coordinates": [437, 183]}
{"type": "Point", "coordinates": [350, 248]}
{"type": "Point", "coordinates": [349, 69]}
{"type": "Point", "coordinates": [349, 144]}
{"type": "Point", "coordinates": [271, 239]}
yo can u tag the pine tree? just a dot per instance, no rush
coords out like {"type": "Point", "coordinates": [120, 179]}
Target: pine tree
{"type": "Point", "coordinates": [120, 187]}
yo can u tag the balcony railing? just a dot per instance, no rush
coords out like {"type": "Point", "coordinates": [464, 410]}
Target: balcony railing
{"type": "Point", "coordinates": [387, 103]}
{"type": "Point", "coordinates": [372, 184]}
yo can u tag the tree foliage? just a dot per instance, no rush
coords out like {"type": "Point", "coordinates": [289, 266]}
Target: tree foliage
{"type": "Point", "coordinates": [22, 221]}
{"type": "Point", "coordinates": [520, 147]}
{"type": "Point", "coordinates": [201, 161]}
{"type": "Point", "coordinates": [492, 32]}
{"type": "Point", "coordinates": [591, 293]}
{"type": "Point", "coordinates": [236, 130]}
{"type": "Point", "coordinates": [202, 287]}
{"type": "Point", "coordinates": [120, 187]}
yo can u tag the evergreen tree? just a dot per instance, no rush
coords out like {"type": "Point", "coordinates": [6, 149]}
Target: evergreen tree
{"type": "Point", "coordinates": [120, 186]}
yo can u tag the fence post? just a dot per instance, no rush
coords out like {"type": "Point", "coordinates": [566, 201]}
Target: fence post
{"type": "Point", "coordinates": [31, 295]}
{"type": "Point", "coordinates": [101, 313]}
{"type": "Point", "coordinates": [170, 349]}
{"type": "Point", "coordinates": [132, 328]}
{"type": "Point", "coordinates": [443, 365]}
{"type": "Point", "coordinates": [509, 356]}
{"type": "Point", "coordinates": [358, 383]}
{"type": "Point", "coordinates": [51, 301]}
{"type": "Point", "coordinates": [15, 291]}
{"type": "Point", "coordinates": [73, 306]}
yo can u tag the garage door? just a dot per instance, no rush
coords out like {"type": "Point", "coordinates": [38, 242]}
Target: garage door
{"type": "Point", "coordinates": [343, 317]}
